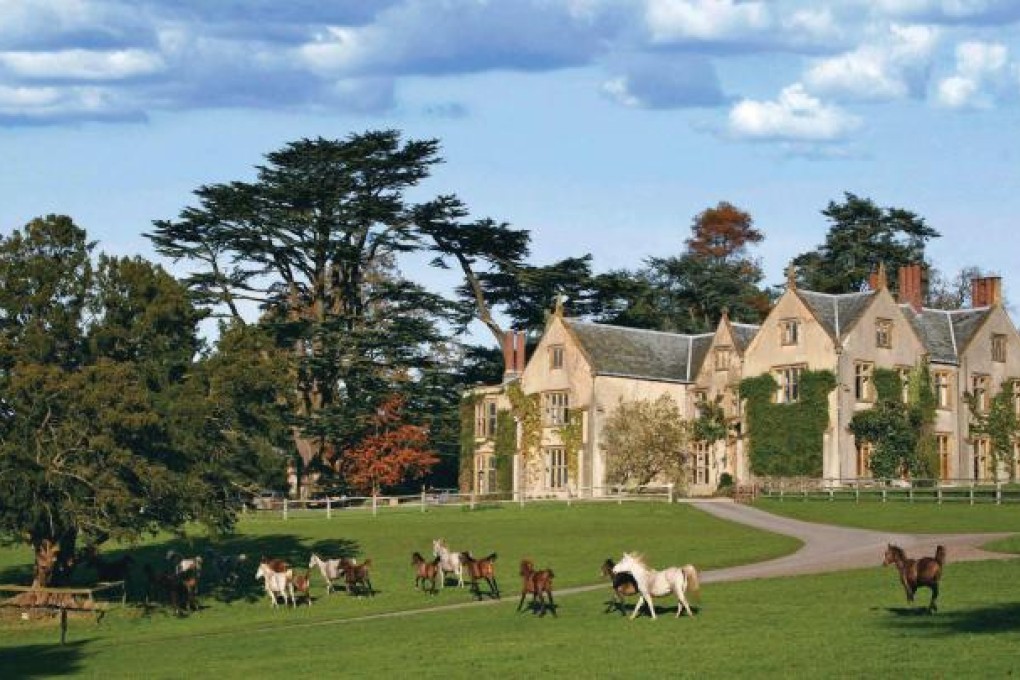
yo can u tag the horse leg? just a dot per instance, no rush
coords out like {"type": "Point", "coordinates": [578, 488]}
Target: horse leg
{"type": "Point", "coordinates": [637, 607]}
{"type": "Point", "coordinates": [552, 605]}
{"type": "Point", "coordinates": [493, 586]}
{"type": "Point", "coordinates": [934, 596]}
{"type": "Point", "coordinates": [682, 604]}
{"type": "Point", "coordinates": [520, 605]}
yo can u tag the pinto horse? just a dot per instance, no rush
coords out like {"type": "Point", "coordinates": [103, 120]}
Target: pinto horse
{"type": "Point", "coordinates": [425, 571]}
{"type": "Point", "coordinates": [917, 573]}
{"type": "Point", "coordinates": [449, 562]}
{"type": "Point", "coordinates": [539, 585]}
{"type": "Point", "coordinates": [484, 568]}
{"type": "Point", "coordinates": [277, 583]}
{"type": "Point", "coordinates": [331, 570]}
{"type": "Point", "coordinates": [653, 583]}
{"type": "Point", "coordinates": [623, 585]}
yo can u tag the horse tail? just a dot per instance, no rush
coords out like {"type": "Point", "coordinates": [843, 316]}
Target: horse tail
{"type": "Point", "coordinates": [692, 577]}
{"type": "Point", "coordinates": [491, 558]}
{"type": "Point", "coordinates": [940, 555]}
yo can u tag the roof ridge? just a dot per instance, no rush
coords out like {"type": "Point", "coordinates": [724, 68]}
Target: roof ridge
{"type": "Point", "coordinates": [639, 330]}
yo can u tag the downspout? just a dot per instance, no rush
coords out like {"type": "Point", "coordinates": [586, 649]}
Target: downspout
{"type": "Point", "coordinates": [588, 474]}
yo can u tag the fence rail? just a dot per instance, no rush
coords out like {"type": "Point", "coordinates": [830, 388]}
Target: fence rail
{"type": "Point", "coordinates": [937, 491]}
{"type": "Point", "coordinates": [336, 506]}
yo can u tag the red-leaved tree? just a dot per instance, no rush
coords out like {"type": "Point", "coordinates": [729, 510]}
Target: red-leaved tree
{"type": "Point", "coordinates": [395, 452]}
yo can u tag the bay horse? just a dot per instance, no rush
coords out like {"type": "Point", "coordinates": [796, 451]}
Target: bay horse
{"type": "Point", "coordinates": [539, 585]}
{"type": "Point", "coordinates": [449, 562]}
{"type": "Point", "coordinates": [623, 585]}
{"type": "Point", "coordinates": [303, 586]}
{"type": "Point", "coordinates": [917, 573]}
{"type": "Point", "coordinates": [356, 575]}
{"type": "Point", "coordinates": [653, 583]}
{"type": "Point", "coordinates": [425, 571]}
{"type": "Point", "coordinates": [484, 568]}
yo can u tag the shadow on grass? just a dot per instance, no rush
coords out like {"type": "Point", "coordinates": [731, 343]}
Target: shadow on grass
{"type": "Point", "coordinates": [1001, 618]}
{"type": "Point", "coordinates": [42, 661]}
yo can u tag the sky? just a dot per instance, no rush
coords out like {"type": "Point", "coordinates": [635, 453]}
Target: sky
{"type": "Point", "coordinates": [601, 126]}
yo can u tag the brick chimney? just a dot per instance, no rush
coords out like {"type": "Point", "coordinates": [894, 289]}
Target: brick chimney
{"type": "Point", "coordinates": [513, 354]}
{"type": "Point", "coordinates": [986, 291]}
{"type": "Point", "coordinates": [910, 287]}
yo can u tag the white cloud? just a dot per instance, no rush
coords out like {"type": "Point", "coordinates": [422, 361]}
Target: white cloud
{"type": "Point", "coordinates": [81, 64]}
{"type": "Point", "coordinates": [794, 116]}
{"type": "Point", "coordinates": [704, 20]}
{"type": "Point", "coordinates": [982, 74]}
{"type": "Point", "coordinates": [893, 67]}
{"type": "Point", "coordinates": [950, 11]}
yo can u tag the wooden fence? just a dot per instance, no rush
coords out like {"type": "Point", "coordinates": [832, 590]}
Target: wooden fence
{"type": "Point", "coordinates": [937, 491]}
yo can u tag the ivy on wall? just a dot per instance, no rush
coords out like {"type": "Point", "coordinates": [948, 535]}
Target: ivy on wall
{"type": "Point", "coordinates": [999, 423]}
{"type": "Point", "coordinates": [466, 464]}
{"type": "Point", "coordinates": [571, 435]}
{"type": "Point", "coordinates": [526, 410]}
{"type": "Point", "coordinates": [786, 439]}
{"type": "Point", "coordinates": [504, 448]}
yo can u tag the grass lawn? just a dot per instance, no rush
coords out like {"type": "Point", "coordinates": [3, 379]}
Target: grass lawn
{"type": "Point", "coordinates": [840, 625]}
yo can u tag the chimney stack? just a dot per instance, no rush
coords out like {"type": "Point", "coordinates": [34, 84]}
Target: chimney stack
{"type": "Point", "coordinates": [910, 288]}
{"type": "Point", "coordinates": [513, 354]}
{"type": "Point", "coordinates": [986, 291]}
{"type": "Point", "coordinates": [519, 353]}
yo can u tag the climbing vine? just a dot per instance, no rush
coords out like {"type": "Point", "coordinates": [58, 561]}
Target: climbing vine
{"type": "Point", "coordinates": [786, 439]}
{"type": "Point", "coordinates": [466, 464]}
{"type": "Point", "coordinates": [504, 449]}
{"type": "Point", "coordinates": [999, 423]}
{"type": "Point", "coordinates": [571, 435]}
{"type": "Point", "coordinates": [526, 410]}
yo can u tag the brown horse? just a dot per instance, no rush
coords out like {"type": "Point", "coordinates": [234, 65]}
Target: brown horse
{"type": "Point", "coordinates": [303, 586]}
{"type": "Point", "coordinates": [112, 570]}
{"type": "Point", "coordinates": [917, 573]}
{"type": "Point", "coordinates": [357, 576]}
{"type": "Point", "coordinates": [180, 591]}
{"type": "Point", "coordinates": [425, 571]}
{"type": "Point", "coordinates": [623, 585]}
{"type": "Point", "coordinates": [484, 568]}
{"type": "Point", "coordinates": [539, 585]}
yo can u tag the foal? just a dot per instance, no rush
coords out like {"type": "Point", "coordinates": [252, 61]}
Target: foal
{"type": "Point", "coordinates": [484, 568]}
{"type": "Point", "coordinates": [623, 585]}
{"type": "Point", "coordinates": [356, 575]}
{"type": "Point", "coordinates": [539, 584]}
{"type": "Point", "coordinates": [916, 573]}
{"type": "Point", "coordinates": [425, 571]}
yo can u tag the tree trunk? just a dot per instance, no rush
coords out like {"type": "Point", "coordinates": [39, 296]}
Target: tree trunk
{"type": "Point", "coordinates": [54, 559]}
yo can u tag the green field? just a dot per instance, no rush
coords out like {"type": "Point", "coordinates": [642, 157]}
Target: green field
{"type": "Point", "coordinates": [776, 627]}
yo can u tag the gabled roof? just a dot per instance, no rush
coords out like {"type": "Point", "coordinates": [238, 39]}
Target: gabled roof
{"type": "Point", "coordinates": [639, 353]}
{"type": "Point", "coordinates": [836, 313]}
{"type": "Point", "coordinates": [743, 334]}
{"type": "Point", "coordinates": [946, 332]}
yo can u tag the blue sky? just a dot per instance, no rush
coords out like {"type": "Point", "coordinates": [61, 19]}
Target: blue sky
{"type": "Point", "coordinates": [602, 126]}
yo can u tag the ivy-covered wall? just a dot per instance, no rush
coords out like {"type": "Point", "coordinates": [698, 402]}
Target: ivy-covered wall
{"type": "Point", "coordinates": [466, 467]}
{"type": "Point", "coordinates": [504, 449]}
{"type": "Point", "coordinates": [787, 439]}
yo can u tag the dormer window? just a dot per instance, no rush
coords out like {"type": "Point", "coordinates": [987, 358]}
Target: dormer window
{"type": "Point", "coordinates": [556, 357]}
{"type": "Point", "coordinates": [883, 333]}
{"type": "Point", "coordinates": [789, 331]}
{"type": "Point", "coordinates": [723, 358]}
{"type": "Point", "coordinates": [999, 348]}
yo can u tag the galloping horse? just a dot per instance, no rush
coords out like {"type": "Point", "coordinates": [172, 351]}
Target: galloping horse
{"type": "Point", "coordinates": [651, 583]}
{"type": "Point", "coordinates": [278, 583]}
{"type": "Point", "coordinates": [449, 562]}
{"type": "Point", "coordinates": [484, 568]}
{"type": "Point", "coordinates": [623, 585]}
{"type": "Point", "coordinates": [539, 584]}
{"type": "Point", "coordinates": [331, 570]}
{"type": "Point", "coordinates": [425, 571]}
{"type": "Point", "coordinates": [916, 573]}
{"type": "Point", "coordinates": [356, 575]}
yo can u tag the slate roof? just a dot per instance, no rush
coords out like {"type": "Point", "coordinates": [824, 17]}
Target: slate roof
{"type": "Point", "coordinates": [639, 353]}
{"type": "Point", "coordinates": [836, 313]}
{"type": "Point", "coordinates": [743, 334]}
{"type": "Point", "coordinates": [946, 332]}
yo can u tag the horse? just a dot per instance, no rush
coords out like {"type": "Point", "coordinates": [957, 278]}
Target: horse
{"type": "Point", "coordinates": [425, 571]}
{"type": "Point", "coordinates": [653, 583]}
{"type": "Point", "coordinates": [623, 585]}
{"type": "Point", "coordinates": [449, 562]}
{"type": "Point", "coordinates": [180, 591]}
{"type": "Point", "coordinates": [356, 575]}
{"type": "Point", "coordinates": [278, 583]}
{"type": "Point", "coordinates": [331, 570]}
{"type": "Point", "coordinates": [484, 568]}
{"type": "Point", "coordinates": [539, 585]}
{"type": "Point", "coordinates": [303, 586]}
{"type": "Point", "coordinates": [917, 573]}
{"type": "Point", "coordinates": [113, 570]}
{"type": "Point", "coordinates": [182, 564]}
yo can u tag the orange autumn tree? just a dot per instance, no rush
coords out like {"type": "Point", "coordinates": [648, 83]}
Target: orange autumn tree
{"type": "Point", "coordinates": [395, 451]}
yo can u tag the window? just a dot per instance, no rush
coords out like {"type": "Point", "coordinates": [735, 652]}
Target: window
{"type": "Point", "coordinates": [982, 459]}
{"type": "Point", "coordinates": [979, 388]}
{"type": "Point", "coordinates": [904, 373]}
{"type": "Point", "coordinates": [723, 358]}
{"type": "Point", "coordinates": [999, 348]}
{"type": "Point", "coordinates": [699, 471]}
{"type": "Point", "coordinates": [942, 442]}
{"type": "Point", "coordinates": [1016, 460]}
{"type": "Point", "coordinates": [556, 467]}
{"type": "Point", "coordinates": [864, 451]}
{"type": "Point", "coordinates": [883, 333]}
{"type": "Point", "coordinates": [556, 356]}
{"type": "Point", "coordinates": [863, 386]}
{"type": "Point", "coordinates": [699, 397]}
{"type": "Point", "coordinates": [788, 378]}
{"type": "Point", "coordinates": [554, 409]}
{"type": "Point", "coordinates": [943, 396]}
{"type": "Point", "coordinates": [485, 419]}
{"type": "Point", "coordinates": [789, 330]}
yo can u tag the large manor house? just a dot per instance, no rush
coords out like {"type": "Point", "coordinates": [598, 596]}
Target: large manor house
{"type": "Point", "coordinates": [590, 368]}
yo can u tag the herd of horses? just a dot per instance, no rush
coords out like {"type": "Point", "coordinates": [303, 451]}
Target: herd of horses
{"type": "Point", "coordinates": [177, 583]}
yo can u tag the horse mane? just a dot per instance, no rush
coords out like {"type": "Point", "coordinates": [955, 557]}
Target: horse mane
{"type": "Point", "coordinates": [640, 559]}
{"type": "Point", "coordinates": [897, 551]}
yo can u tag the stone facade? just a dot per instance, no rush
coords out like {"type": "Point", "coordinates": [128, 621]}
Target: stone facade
{"type": "Point", "coordinates": [589, 368]}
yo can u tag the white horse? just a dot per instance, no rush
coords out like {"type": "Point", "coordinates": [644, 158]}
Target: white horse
{"type": "Point", "coordinates": [183, 564]}
{"type": "Point", "coordinates": [449, 562]}
{"type": "Point", "coordinates": [676, 580]}
{"type": "Point", "coordinates": [278, 583]}
{"type": "Point", "coordinates": [331, 570]}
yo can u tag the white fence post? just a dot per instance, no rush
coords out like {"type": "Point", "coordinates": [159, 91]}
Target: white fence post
{"type": "Point", "coordinates": [285, 504]}
{"type": "Point", "coordinates": [329, 508]}
{"type": "Point", "coordinates": [375, 505]}
{"type": "Point", "coordinates": [669, 497]}
{"type": "Point", "coordinates": [423, 499]}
